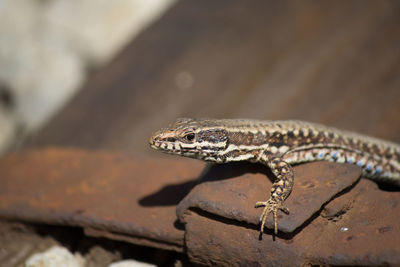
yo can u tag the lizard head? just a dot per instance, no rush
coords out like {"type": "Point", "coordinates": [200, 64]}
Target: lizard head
{"type": "Point", "coordinates": [201, 138]}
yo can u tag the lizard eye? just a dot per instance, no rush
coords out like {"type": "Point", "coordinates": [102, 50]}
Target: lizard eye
{"type": "Point", "coordinates": [189, 137]}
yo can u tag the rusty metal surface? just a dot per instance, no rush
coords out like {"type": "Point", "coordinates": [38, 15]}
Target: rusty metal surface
{"type": "Point", "coordinates": [235, 198]}
{"type": "Point", "coordinates": [134, 200]}
{"type": "Point", "coordinates": [362, 229]}
{"type": "Point", "coordinates": [105, 191]}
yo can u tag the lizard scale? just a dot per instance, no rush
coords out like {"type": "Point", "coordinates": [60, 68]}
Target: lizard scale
{"type": "Point", "coordinates": [278, 145]}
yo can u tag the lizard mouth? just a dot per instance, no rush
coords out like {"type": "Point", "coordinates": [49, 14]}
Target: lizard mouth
{"type": "Point", "coordinates": [168, 147]}
{"type": "Point", "coordinates": [155, 144]}
{"type": "Point", "coordinates": [172, 148]}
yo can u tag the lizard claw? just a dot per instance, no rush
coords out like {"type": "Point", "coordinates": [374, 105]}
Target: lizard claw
{"type": "Point", "coordinates": [270, 206]}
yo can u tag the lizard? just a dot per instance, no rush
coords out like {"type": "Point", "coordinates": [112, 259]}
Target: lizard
{"type": "Point", "coordinates": [278, 145]}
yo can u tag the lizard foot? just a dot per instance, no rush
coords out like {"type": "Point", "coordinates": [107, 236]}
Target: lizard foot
{"type": "Point", "coordinates": [273, 206]}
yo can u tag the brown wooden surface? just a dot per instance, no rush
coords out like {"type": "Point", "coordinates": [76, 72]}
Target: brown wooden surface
{"type": "Point", "coordinates": [334, 62]}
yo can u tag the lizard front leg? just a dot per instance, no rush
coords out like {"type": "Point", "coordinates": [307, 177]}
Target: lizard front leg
{"type": "Point", "coordinates": [280, 190]}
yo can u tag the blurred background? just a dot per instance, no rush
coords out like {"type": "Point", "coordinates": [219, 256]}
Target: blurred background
{"type": "Point", "coordinates": [101, 74]}
{"type": "Point", "coordinates": [104, 75]}
{"type": "Point", "coordinates": [48, 49]}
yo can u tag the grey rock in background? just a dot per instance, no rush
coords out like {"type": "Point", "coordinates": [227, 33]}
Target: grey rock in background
{"type": "Point", "coordinates": [46, 48]}
{"type": "Point", "coordinates": [55, 257]}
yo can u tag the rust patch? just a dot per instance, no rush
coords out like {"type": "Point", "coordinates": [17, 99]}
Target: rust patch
{"type": "Point", "coordinates": [235, 198]}
{"type": "Point", "coordinates": [364, 236]}
{"type": "Point", "coordinates": [109, 192]}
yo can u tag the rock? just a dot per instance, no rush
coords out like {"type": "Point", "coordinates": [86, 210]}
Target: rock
{"type": "Point", "coordinates": [55, 257]}
{"type": "Point", "coordinates": [130, 263]}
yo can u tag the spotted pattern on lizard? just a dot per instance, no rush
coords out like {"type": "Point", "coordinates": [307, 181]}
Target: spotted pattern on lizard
{"type": "Point", "coordinates": [278, 145]}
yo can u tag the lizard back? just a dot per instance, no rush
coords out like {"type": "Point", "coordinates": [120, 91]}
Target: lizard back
{"type": "Point", "coordinates": [228, 140]}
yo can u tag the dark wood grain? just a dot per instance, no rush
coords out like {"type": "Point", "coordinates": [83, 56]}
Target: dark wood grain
{"type": "Point", "coordinates": [333, 62]}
